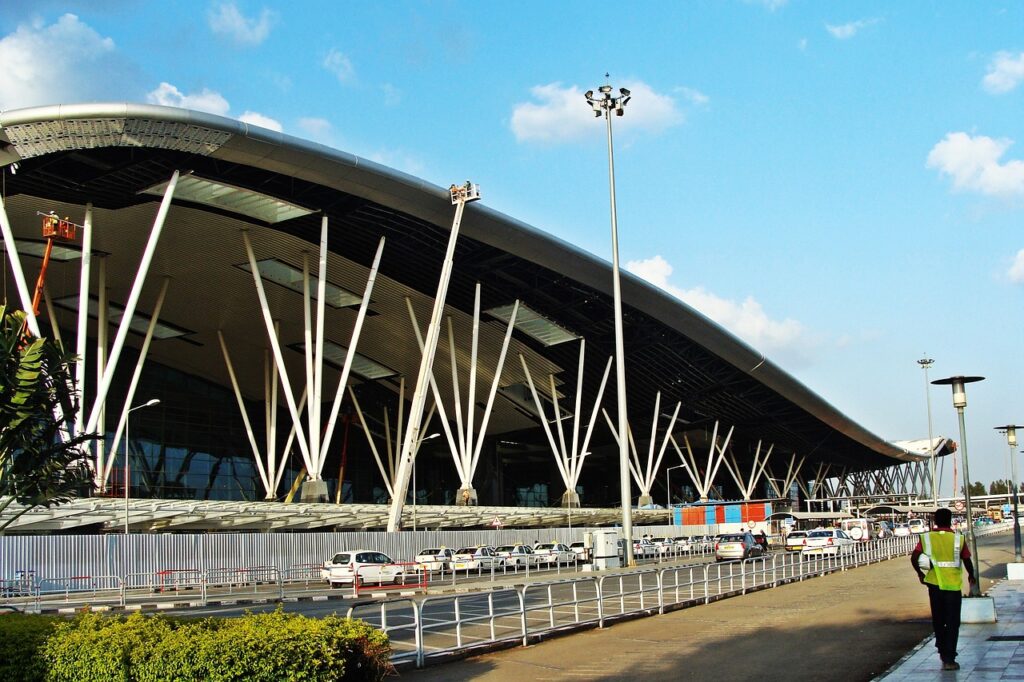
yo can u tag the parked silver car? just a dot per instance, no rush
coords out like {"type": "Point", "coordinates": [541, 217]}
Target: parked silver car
{"type": "Point", "coordinates": [734, 546]}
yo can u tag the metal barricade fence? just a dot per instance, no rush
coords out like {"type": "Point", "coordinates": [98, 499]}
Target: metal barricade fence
{"type": "Point", "coordinates": [567, 603]}
{"type": "Point", "coordinates": [451, 623]}
{"type": "Point", "coordinates": [97, 588]}
{"type": "Point", "coordinates": [399, 619]}
{"type": "Point", "coordinates": [683, 584]}
{"type": "Point", "coordinates": [303, 573]}
{"type": "Point", "coordinates": [623, 594]}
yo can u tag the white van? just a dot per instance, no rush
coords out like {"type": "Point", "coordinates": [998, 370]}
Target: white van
{"type": "Point", "coordinates": [858, 529]}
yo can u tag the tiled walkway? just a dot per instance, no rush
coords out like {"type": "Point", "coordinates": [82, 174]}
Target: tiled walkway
{"type": "Point", "coordinates": [986, 652]}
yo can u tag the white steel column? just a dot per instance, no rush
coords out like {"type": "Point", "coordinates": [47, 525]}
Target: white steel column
{"type": "Point", "coordinates": [102, 330]}
{"type": "Point", "coordinates": [83, 322]}
{"type": "Point", "coordinates": [568, 459]}
{"type": "Point", "coordinates": [453, 448]}
{"type": "Point", "coordinates": [245, 417]}
{"type": "Point", "coordinates": [351, 354]}
{"type": "Point", "coordinates": [52, 315]}
{"type": "Point", "coordinates": [275, 347]}
{"type": "Point", "coordinates": [318, 380]}
{"type": "Point", "coordinates": [704, 484]}
{"type": "Point", "coordinates": [132, 302]}
{"type": "Point", "coordinates": [645, 475]}
{"type": "Point", "coordinates": [136, 375]}
{"type": "Point", "coordinates": [19, 274]}
{"type": "Point", "coordinates": [412, 435]}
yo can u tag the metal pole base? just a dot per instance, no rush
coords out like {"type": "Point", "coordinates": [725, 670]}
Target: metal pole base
{"type": "Point", "coordinates": [570, 500]}
{"type": "Point", "coordinates": [314, 491]}
{"type": "Point", "coordinates": [466, 497]}
{"type": "Point", "coordinates": [644, 501]}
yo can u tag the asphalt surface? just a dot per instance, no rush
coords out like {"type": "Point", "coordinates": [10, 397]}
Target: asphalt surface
{"type": "Point", "coordinates": [850, 625]}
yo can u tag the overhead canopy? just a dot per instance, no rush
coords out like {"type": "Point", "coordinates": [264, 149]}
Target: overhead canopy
{"type": "Point", "coordinates": [811, 516]}
{"type": "Point", "coordinates": [188, 515]}
{"type": "Point", "coordinates": [117, 157]}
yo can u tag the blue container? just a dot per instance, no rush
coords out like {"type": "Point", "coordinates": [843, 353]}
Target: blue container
{"type": "Point", "coordinates": [709, 516]}
{"type": "Point", "coordinates": [733, 513]}
{"type": "Point", "coordinates": [677, 516]}
{"type": "Point", "coordinates": [767, 509]}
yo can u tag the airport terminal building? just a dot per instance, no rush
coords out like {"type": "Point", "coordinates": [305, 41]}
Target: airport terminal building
{"type": "Point", "coordinates": [275, 296]}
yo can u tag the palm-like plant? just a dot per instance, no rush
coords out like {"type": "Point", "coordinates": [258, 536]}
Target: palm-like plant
{"type": "Point", "coordinates": [40, 463]}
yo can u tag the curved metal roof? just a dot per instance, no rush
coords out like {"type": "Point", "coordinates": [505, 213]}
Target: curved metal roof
{"type": "Point", "coordinates": [107, 153]}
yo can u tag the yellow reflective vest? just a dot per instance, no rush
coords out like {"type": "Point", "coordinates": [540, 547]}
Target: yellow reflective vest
{"type": "Point", "coordinates": [943, 550]}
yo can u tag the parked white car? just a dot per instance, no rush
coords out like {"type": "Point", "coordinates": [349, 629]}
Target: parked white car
{"type": "Point", "coordinates": [917, 525]}
{"type": "Point", "coordinates": [435, 559]}
{"type": "Point", "coordinates": [370, 566]}
{"type": "Point", "coordinates": [517, 555]}
{"type": "Point", "coordinates": [476, 558]}
{"type": "Point", "coordinates": [554, 553]}
{"type": "Point", "coordinates": [830, 542]}
{"type": "Point", "coordinates": [901, 530]}
{"type": "Point", "coordinates": [683, 544]}
{"type": "Point", "coordinates": [581, 550]}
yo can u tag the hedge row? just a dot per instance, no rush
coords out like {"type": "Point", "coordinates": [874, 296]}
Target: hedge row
{"type": "Point", "coordinates": [272, 646]}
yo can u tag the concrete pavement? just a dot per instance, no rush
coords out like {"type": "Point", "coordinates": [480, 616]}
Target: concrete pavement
{"type": "Point", "coordinates": [853, 625]}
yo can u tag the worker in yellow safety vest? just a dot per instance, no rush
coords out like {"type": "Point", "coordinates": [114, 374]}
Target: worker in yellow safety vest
{"type": "Point", "coordinates": [939, 559]}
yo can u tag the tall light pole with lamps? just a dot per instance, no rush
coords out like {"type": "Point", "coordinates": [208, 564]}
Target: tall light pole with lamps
{"type": "Point", "coordinates": [604, 104]}
{"type": "Point", "coordinates": [415, 490]}
{"type": "Point", "coordinates": [127, 455]}
{"type": "Point", "coordinates": [668, 485]}
{"type": "Point", "coordinates": [925, 363]}
{"type": "Point", "coordinates": [1011, 439]}
{"type": "Point", "coordinates": [958, 384]}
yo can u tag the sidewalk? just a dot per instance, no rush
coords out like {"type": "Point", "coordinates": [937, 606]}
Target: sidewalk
{"type": "Point", "coordinates": [992, 651]}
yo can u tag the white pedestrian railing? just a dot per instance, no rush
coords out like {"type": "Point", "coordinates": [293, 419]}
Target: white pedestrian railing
{"type": "Point", "coordinates": [444, 625]}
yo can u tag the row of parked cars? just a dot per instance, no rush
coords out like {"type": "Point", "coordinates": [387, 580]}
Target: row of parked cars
{"type": "Point", "coordinates": [377, 567]}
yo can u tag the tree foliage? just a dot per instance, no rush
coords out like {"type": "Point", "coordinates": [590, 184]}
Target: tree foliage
{"type": "Point", "coordinates": [39, 464]}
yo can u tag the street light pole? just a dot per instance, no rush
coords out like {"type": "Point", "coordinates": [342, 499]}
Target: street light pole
{"type": "Point", "coordinates": [668, 485]}
{"type": "Point", "coordinates": [127, 453]}
{"type": "Point", "coordinates": [925, 363]}
{"type": "Point", "coordinates": [603, 105]}
{"type": "Point", "coordinates": [960, 402]}
{"type": "Point", "coordinates": [1011, 440]}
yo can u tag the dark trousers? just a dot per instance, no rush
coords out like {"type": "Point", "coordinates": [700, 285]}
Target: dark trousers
{"type": "Point", "coordinates": [945, 620]}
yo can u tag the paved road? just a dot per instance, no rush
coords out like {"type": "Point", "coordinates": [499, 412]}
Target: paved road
{"type": "Point", "coordinates": [844, 626]}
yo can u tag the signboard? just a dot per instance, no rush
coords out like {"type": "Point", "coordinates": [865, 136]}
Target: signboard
{"type": "Point", "coordinates": [751, 524]}
{"type": "Point", "coordinates": [788, 521]}
{"type": "Point", "coordinates": [959, 505]}
{"type": "Point", "coordinates": [496, 522]}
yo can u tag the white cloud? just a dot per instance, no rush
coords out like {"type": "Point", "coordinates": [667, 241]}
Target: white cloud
{"type": "Point", "coordinates": [260, 120]}
{"type": "Point", "coordinates": [849, 30]}
{"type": "Point", "coordinates": [226, 19]}
{"type": "Point", "coordinates": [802, 45]}
{"type": "Point", "coordinates": [337, 63]}
{"type": "Point", "coordinates": [1005, 72]}
{"type": "Point", "coordinates": [973, 163]}
{"type": "Point", "coordinates": [66, 61]}
{"type": "Point", "coordinates": [1016, 271]}
{"type": "Point", "coordinates": [746, 319]}
{"type": "Point", "coordinates": [392, 95]}
{"type": "Point", "coordinates": [206, 100]}
{"type": "Point", "coordinates": [694, 96]}
{"type": "Point", "coordinates": [396, 158]}
{"type": "Point", "coordinates": [770, 5]}
{"type": "Point", "coordinates": [561, 114]}
{"type": "Point", "coordinates": [318, 129]}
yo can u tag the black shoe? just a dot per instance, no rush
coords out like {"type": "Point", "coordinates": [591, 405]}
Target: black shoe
{"type": "Point", "coordinates": [950, 665]}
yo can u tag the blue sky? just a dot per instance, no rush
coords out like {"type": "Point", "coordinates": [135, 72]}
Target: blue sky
{"type": "Point", "coordinates": [839, 184]}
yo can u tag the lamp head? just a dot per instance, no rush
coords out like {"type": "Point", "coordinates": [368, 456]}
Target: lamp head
{"type": "Point", "coordinates": [958, 384]}
{"type": "Point", "coordinates": [605, 89]}
{"type": "Point", "coordinates": [1011, 433]}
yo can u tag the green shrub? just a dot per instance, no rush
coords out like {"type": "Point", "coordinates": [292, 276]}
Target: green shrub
{"type": "Point", "coordinates": [273, 646]}
{"type": "Point", "coordinates": [21, 638]}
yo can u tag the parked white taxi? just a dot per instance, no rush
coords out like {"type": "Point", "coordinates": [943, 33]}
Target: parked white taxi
{"type": "Point", "coordinates": [830, 542]}
{"type": "Point", "coordinates": [370, 566]}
